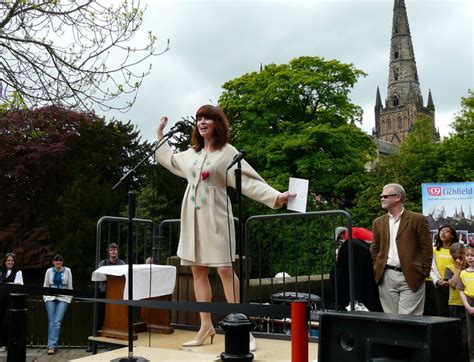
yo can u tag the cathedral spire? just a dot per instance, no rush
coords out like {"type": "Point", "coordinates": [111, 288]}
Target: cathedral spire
{"type": "Point", "coordinates": [399, 3]}
{"type": "Point", "coordinates": [430, 104]}
{"type": "Point", "coordinates": [378, 107]}
{"type": "Point", "coordinates": [403, 102]}
{"type": "Point", "coordinates": [378, 99]}
{"type": "Point", "coordinates": [403, 84]}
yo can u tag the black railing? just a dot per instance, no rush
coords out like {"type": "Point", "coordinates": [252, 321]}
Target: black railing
{"type": "Point", "coordinates": [288, 256]}
{"type": "Point", "coordinates": [116, 231]}
{"type": "Point", "coordinates": [296, 249]}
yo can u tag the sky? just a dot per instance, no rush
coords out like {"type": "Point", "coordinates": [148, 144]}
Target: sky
{"type": "Point", "coordinates": [212, 42]}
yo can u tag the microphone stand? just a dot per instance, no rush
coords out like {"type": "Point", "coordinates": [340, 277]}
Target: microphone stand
{"type": "Point", "coordinates": [131, 216]}
{"type": "Point", "coordinates": [238, 188]}
{"type": "Point", "coordinates": [165, 138]}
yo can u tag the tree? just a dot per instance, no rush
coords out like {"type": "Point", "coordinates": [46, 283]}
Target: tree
{"type": "Point", "coordinates": [76, 53]}
{"type": "Point", "coordinates": [297, 120]}
{"type": "Point", "coordinates": [55, 182]}
{"type": "Point", "coordinates": [88, 194]}
{"type": "Point", "coordinates": [32, 150]}
{"type": "Point", "coordinates": [458, 148]}
{"type": "Point", "coordinates": [419, 160]}
{"type": "Point", "coordinates": [415, 163]}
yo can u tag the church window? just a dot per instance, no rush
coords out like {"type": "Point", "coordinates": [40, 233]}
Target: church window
{"type": "Point", "coordinates": [395, 101]}
{"type": "Point", "coordinates": [396, 29]}
{"type": "Point", "coordinates": [395, 55]}
{"type": "Point", "coordinates": [389, 125]}
{"type": "Point", "coordinates": [399, 122]}
{"type": "Point", "coordinates": [395, 74]}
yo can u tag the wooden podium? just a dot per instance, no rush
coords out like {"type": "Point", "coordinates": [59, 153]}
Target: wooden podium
{"type": "Point", "coordinates": [116, 315]}
{"type": "Point", "coordinates": [158, 320]}
{"type": "Point", "coordinates": [160, 278]}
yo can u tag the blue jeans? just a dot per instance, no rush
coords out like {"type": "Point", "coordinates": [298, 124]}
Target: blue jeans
{"type": "Point", "coordinates": [56, 310]}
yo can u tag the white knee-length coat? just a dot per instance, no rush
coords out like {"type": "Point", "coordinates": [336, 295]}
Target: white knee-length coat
{"type": "Point", "coordinates": [204, 237]}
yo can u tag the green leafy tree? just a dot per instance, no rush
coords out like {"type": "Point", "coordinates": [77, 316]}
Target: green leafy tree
{"type": "Point", "coordinates": [88, 195]}
{"type": "Point", "coordinates": [367, 200]}
{"type": "Point", "coordinates": [297, 120]}
{"type": "Point", "coordinates": [457, 149]}
{"type": "Point", "coordinates": [415, 163]}
{"type": "Point", "coordinates": [419, 160]}
{"type": "Point", "coordinates": [12, 102]}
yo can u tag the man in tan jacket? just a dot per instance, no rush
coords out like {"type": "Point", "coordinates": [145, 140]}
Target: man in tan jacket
{"type": "Point", "coordinates": [402, 252]}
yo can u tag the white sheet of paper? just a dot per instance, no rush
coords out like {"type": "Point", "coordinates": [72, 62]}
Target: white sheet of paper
{"type": "Point", "coordinates": [300, 187]}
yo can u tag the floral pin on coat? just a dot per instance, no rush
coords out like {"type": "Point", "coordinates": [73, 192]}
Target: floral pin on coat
{"type": "Point", "coordinates": [204, 175]}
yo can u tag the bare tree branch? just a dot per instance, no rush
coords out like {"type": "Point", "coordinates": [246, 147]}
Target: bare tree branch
{"type": "Point", "coordinates": [78, 53]}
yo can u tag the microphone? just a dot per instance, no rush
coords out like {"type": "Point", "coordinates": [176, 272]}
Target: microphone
{"type": "Point", "coordinates": [237, 158]}
{"type": "Point", "coordinates": [180, 126]}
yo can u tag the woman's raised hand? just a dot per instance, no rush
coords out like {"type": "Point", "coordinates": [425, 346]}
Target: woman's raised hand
{"type": "Point", "coordinates": [161, 127]}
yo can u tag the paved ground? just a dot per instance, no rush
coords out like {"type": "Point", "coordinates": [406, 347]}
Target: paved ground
{"type": "Point", "coordinates": [61, 355]}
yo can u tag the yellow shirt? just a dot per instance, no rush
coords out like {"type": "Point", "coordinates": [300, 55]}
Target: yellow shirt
{"type": "Point", "coordinates": [454, 293]}
{"type": "Point", "coordinates": [467, 279]}
{"type": "Point", "coordinates": [443, 259]}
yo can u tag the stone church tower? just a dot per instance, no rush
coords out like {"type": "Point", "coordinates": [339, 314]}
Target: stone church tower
{"type": "Point", "coordinates": [404, 102]}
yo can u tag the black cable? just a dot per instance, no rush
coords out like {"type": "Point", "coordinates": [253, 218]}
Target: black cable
{"type": "Point", "coordinates": [230, 241]}
{"type": "Point", "coordinates": [152, 261]}
{"type": "Point", "coordinates": [272, 310]}
{"type": "Point", "coordinates": [153, 217]}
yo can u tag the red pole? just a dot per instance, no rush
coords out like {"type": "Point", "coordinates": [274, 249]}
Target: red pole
{"type": "Point", "coordinates": [299, 332]}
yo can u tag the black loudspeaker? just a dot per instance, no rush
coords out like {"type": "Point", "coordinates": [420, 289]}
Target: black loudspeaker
{"type": "Point", "coordinates": [380, 337]}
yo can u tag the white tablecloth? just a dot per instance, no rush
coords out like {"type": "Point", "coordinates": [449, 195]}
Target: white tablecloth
{"type": "Point", "coordinates": [163, 279]}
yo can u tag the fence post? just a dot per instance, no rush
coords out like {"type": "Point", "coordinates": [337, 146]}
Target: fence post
{"type": "Point", "coordinates": [17, 329]}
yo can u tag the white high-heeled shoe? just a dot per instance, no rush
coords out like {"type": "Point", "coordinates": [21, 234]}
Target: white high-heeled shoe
{"type": "Point", "coordinates": [253, 343]}
{"type": "Point", "coordinates": [211, 332]}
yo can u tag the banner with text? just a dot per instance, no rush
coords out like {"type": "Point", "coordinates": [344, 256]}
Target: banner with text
{"type": "Point", "coordinates": [450, 203]}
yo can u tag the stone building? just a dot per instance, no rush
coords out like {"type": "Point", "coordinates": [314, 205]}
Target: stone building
{"type": "Point", "coordinates": [404, 101]}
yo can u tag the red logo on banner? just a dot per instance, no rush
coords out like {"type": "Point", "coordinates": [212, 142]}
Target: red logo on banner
{"type": "Point", "coordinates": [434, 191]}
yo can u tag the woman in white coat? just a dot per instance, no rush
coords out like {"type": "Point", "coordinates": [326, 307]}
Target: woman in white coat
{"type": "Point", "coordinates": [205, 214]}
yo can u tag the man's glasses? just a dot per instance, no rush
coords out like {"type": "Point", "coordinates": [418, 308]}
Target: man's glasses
{"type": "Point", "coordinates": [387, 196]}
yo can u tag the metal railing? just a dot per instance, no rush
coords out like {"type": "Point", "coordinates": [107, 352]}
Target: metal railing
{"type": "Point", "coordinates": [299, 244]}
{"type": "Point", "coordinates": [116, 231]}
